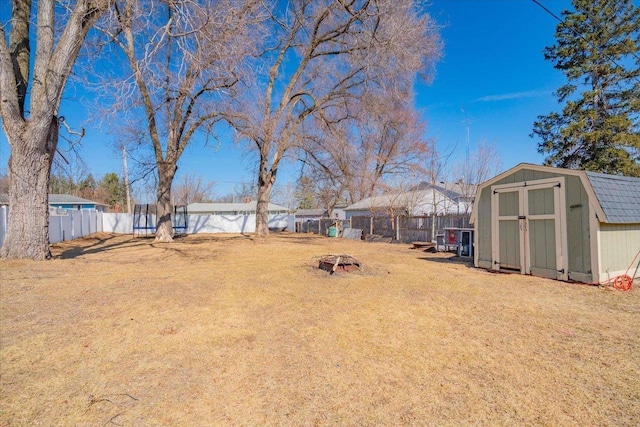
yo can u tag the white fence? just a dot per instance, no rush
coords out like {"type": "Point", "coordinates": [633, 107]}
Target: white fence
{"type": "Point", "coordinates": [74, 225]}
{"type": "Point", "coordinates": [3, 222]}
{"type": "Point", "coordinates": [79, 223]}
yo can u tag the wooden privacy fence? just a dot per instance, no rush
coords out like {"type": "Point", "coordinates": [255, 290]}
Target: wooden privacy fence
{"type": "Point", "coordinates": [408, 228]}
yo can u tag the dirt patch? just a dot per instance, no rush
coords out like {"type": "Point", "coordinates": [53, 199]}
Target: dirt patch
{"type": "Point", "coordinates": [230, 330]}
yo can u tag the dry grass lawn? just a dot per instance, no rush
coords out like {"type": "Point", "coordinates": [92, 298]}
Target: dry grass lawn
{"type": "Point", "coordinates": [227, 330]}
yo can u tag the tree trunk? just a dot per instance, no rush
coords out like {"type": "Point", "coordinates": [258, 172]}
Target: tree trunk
{"type": "Point", "coordinates": [32, 148]}
{"type": "Point", "coordinates": [262, 208]}
{"type": "Point", "coordinates": [164, 228]}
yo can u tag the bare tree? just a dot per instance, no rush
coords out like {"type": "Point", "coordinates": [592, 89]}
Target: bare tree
{"type": "Point", "coordinates": [436, 169]}
{"type": "Point", "coordinates": [242, 192]}
{"type": "Point", "coordinates": [184, 59]}
{"type": "Point", "coordinates": [192, 189]}
{"type": "Point", "coordinates": [363, 155]}
{"type": "Point", "coordinates": [323, 55]}
{"type": "Point", "coordinates": [39, 79]}
{"type": "Point", "coordinates": [284, 195]}
{"type": "Point", "coordinates": [481, 165]}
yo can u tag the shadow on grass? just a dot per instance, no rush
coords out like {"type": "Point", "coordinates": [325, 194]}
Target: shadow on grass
{"type": "Point", "coordinates": [199, 239]}
{"type": "Point", "coordinates": [453, 259]}
{"type": "Point", "coordinates": [107, 242]}
{"type": "Point", "coordinates": [309, 238]}
{"type": "Point", "coordinates": [313, 239]}
{"type": "Point", "coordinates": [100, 244]}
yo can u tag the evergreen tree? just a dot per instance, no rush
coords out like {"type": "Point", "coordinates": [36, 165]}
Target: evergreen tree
{"type": "Point", "coordinates": [304, 193]}
{"type": "Point", "coordinates": [87, 187]}
{"type": "Point", "coordinates": [62, 184]}
{"type": "Point", "coordinates": [113, 191]}
{"type": "Point", "coordinates": [598, 50]}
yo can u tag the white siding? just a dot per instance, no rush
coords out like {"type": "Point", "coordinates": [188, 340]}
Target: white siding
{"type": "Point", "coordinates": [620, 243]}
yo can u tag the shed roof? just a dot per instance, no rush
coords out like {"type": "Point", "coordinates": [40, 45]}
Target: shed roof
{"type": "Point", "coordinates": [619, 196]}
{"type": "Point", "coordinates": [230, 207]}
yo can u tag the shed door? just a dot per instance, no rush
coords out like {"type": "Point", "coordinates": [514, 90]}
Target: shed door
{"type": "Point", "coordinates": [530, 228]}
{"type": "Point", "coordinates": [542, 245]}
{"type": "Point", "coordinates": [510, 231]}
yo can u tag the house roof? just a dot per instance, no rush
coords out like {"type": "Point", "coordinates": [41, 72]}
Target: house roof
{"type": "Point", "coordinates": [55, 199]}
{"type": "Point", "coordinates": [452, 190]}
{"type": "Point", "coordinates": [69, 199]}
{"type": "Point", "coordinates": [619, 196]}
{"type": "Point", "coordinates": [397, 200]}
{"type": "Point", "coordinates": [230, 207]}
{"type": "Point", "coordinates": [421, 192]}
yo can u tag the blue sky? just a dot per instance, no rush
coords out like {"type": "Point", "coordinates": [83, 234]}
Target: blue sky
{"type": "Point", "coordinates": [493, 76]}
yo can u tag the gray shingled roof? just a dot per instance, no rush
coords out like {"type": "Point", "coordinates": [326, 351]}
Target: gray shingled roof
{"type": "Point", "coordinates": [402, 200]}
{"type": "Point", "coordinates": [398, 200]}
{"type": "Point", "coordinates": [69, 199]}
{"type": "Point", "coordinates": [619, 197]}
{"type": "Point", "coordinates": [452, 190]}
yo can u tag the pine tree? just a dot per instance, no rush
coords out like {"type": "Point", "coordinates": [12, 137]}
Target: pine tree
{"type": "Point", "coordinates": [304, 193]}
{"type": "Point", "coordinates": [113, 191]}
{"type": "Point", "coordinates": [598, 50]}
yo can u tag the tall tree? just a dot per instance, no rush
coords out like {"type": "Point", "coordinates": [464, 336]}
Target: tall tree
{"type": "Point", "coordinates": [381, 139]}
{"type": "Point", "coordinates": [111, 190]}
{"type": "Point", "coordinates": [436, 170]}
{"type": "Point", "coordinates": [31, 87]}
{"type": "Point", "coordinates": [321, 55]}
{"type": "Point", "coordinates": [305, 193]}
{"type": "Point", "coordinates": [598, 50]}
{"type": "Point", "coordinates": [87, 187]}
{"type": "Point", "coordinates": [184, 60]}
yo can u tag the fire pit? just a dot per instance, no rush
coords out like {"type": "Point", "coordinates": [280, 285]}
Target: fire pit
{"type": "Point", "coordinates": [333, 263]}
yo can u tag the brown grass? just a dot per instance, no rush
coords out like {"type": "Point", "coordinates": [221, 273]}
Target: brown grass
{"type": "Point", "coordinates": [226, 330]}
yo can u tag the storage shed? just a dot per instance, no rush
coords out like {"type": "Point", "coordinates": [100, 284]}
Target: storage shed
{"type": "Point", "coordinates": [558, 223]}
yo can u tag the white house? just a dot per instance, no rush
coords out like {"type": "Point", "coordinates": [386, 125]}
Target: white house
{"type": "Point", "coordinates": [248, 208]}
{"type": "Point", "coordinates": [418, 202]}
